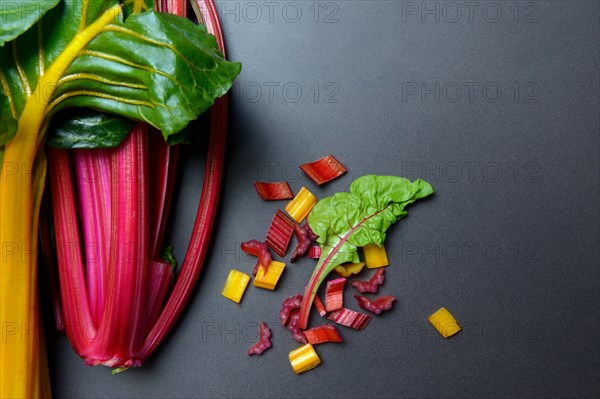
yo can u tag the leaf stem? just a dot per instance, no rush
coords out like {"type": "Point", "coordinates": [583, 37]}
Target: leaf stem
{"type": "Point", "coordinates": [207, 208]}
{"type": "Point", "coordinates": [324, 266]}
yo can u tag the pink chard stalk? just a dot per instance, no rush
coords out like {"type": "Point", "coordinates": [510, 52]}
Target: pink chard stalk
{"type": "Point", "coordinates": [110, 210]}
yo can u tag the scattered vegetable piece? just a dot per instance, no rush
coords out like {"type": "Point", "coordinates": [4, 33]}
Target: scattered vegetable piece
{"type": "Point", "coordinates": [288, 305]}
{"type": "Point", "coordinates": [375, 256]}
{"type": "Point", "coordinates": [264, 341]}
{"type": "Point", "coordinates": [321, 334]}
{"type": "Point", "coordinates": [311, 234]}
{"type": "Point", "coordinates": [444, 322]}
{"type": "Point", "coordinates": [314, 252]}
{"type": "Point", "coordinates": [360, 217]}
{"type": "Point", "coordinates": [334, 294]}
{"type": "Point", "coordinates": [280, 232]}
{"type": "Point", "coordinates": [320, 307]}
{"type": "Point", "coordinates": [372, 285]}
{"type": "Point", "coordinates": [292, 326]}
{"type": "Point", "coordinates": [304, 358]}
{"type": "Point", "coordinates": [273, 191]}
{"type": "Point", "coordinates": [324, 169]}
{"type": "Point", "coordinates": [350, 318]}
{"type": "Point", "coordinates": [235, 285]}
{"type": "Point", "coordinates": [269, 279]}
{"type": "Point", "coordinates": [259, 249]}
{"type": "Point", "coordinates": [301, 234]}
{"type": "Point", "coordinates": [301, 205]}
{"type": "Point", "coordinates": [256, 267]}
{"type": "Point", "coordinates": [348, 269]}
{"type": "Point", "coordinates": [375, 306]}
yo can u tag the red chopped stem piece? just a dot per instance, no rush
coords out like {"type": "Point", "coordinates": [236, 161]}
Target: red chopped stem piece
{"type": "Point", "coordinates": [296, 331]}
{"type": "Point", "coordinates": [273, 191]}
{"type": "Point", "coordinates": [375, 306]}
{"type": "Point", "coordinates": [334, 294]}
{"type": "Point", "coordinates": [280, 232]}
{"type": "Point", "coordinates": [259, 249]}
{"type": "Point", "coordinates": [289, 304]}
{"type": "Point", "coordinates": [319, 305]}
{"type": "Point", "coordinates": [264, 341]}
{"type": "Point", "coordinates": [314, 251]}
{"type": "Point", "coordinates": [311, 234]}
{"type": "Point", "coordinates": [303, 242]}
{"type": "Point", "coordinates": [324, 169]}
{"type": "Point", "coordinates": [255, 270]}
{"type": "Point", "coordinates": [321, 334]}
{"type": "Point", "coordinates": [372, 285]}
{"type": "Point", "coordinates": [350, 318]}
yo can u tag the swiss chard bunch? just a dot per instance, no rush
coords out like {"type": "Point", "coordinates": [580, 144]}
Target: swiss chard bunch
{"type": "Point", "coordinates": [125, 63]}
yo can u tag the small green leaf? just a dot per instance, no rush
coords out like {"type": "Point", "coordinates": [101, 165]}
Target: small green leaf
{"type": "Point", "coordinates": [16, 17]}
{"type": "Point", "coordinates": [168, 255]}
{"type": "Point", "coordinates": [346, 221]}
{"type": "Point", "coordinates": [86, 128]}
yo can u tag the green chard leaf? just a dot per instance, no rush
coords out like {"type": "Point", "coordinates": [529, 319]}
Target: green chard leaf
{"type": "Point", "coordinates": [86, 128]}
{"type": "Point", "coordinates": [16, 17]}
{"type": "Point", "coordinates": [348, 220]}
{"type": "Point", "coordinates": [151, 67]}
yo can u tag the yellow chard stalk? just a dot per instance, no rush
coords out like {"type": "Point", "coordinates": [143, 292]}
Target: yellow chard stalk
{"type": "Point", "coordinates": [24, 370]}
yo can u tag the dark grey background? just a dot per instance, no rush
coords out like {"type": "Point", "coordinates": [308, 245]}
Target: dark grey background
{"type": "Point", "coordinates": [496, 105]}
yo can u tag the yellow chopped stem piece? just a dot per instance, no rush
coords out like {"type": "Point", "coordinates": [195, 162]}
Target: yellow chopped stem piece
{"type": "Point", "coordinates": [301, 205]}
{"type": "Point", "coordinates": [269, 280]}
{"type": "Point", "coordinates": [304, 358]}
{"type": "Point", "coordinates": [348, 269]}
{"type": "Point", "coordinates": [444, 322]}
{"type": "Point", "coordinates": [375, 256]}
{"type": "Point", "coordinates": [235, 285]}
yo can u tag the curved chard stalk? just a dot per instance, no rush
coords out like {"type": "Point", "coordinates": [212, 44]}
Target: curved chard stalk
{"type": "Point", "coordinates": [207, 208]}
{"type": "Point", "coordinates": [162, 169]}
